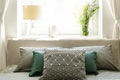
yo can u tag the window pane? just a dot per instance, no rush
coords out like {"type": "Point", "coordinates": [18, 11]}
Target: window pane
{"type": "Point", "coordinates": [63, 14]}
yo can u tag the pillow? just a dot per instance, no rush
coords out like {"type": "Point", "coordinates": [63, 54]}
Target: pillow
{"type": "Point", "coordinates": [63, 64]}
{"type": "Point", "coordinates": [25, 63]}
{"type": "Point", "coordinates": [90, 62]}
{"type": "Point", "coordinates": [38, 63]}
{"type": "Point", "coordinates": [105, 59]}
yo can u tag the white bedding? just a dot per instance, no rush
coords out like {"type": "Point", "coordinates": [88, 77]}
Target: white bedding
{"type": "Point", "coordinates": [103, 75]}
{"type": "Point", "coordinates": [17, 76]}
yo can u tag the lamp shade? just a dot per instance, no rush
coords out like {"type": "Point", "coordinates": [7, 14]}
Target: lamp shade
{"type": "Point", "coordinates": [31, 12]}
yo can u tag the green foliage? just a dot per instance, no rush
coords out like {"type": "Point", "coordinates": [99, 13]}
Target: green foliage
{"type": "Point", "coordinates": [88, 11]}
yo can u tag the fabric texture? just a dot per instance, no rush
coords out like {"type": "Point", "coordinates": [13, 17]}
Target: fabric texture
{"type": "Point", "coordinates": [26, 53]}
{"type": "Point", "coordinates": [17, 76]}
{"type": "Point", "coordinates": [105, 59]}
{"type": "Point", "coordinates": [115, 10]}
{"type": "Point", "coordinates": [3, 40]}
{"type": "Point", "coordinates": [25, 63]}
{"type": "Point", "coordinates": [90, 62]}
{"type": "Point", "coordinates": [103, 75]}
{"type": "Point", "coordinates": [64, 64]}
{"type": "Point", "coordinates": [38, 63]}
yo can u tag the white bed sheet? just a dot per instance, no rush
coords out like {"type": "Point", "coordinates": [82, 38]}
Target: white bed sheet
{"type": "Point", "coordinates": [103, 75]}
{"type": "Point", "coordinates": [17, 76]}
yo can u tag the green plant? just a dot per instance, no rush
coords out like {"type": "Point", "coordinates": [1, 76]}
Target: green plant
{"type": "Point", "coordinates": [88, 11]}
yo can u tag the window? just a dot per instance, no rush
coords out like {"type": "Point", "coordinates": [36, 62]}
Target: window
{"type": "Point", "coordinates": [57, 17]}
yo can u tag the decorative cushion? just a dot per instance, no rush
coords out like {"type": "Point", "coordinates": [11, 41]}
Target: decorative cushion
{"type": "Point", "coordinates": [38, 63]}
{"type": "Point", "coordinates": [63, 64]}
{"type": "Point", "coordinates": [90, 62]}
{"type": "Point", "coordinates": [105, 59]}
{"type": "Point", "coordinates": [25, 63]}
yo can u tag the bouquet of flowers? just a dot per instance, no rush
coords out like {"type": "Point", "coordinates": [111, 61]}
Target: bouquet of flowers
{"type": "Point", "coordinates": [88, 11]}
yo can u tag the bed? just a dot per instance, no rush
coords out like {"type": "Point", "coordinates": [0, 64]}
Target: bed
{"type": "Point", "coordinates": [103, 75]}
{"type": "Point", "coordinates": [13, 49]}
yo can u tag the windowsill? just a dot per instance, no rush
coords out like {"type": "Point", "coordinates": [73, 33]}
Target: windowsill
{"type": "Point", "coordinates": [58, 38]}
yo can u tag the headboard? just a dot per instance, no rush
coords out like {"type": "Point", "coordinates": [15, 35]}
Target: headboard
{"type": "Point", "coordinates": [13, 54]}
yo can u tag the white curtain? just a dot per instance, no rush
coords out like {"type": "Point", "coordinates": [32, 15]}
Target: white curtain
{"type": "Point", "coordinates": [115, 10]}
{"type": "Point", "coordinates": [3, 41]}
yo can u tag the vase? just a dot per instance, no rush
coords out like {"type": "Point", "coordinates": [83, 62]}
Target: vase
{"type": "Point", "coordinates": [85, 31]}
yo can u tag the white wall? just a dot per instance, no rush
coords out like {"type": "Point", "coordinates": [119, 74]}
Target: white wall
{"type": "Point", "coordinates": [11, 20]}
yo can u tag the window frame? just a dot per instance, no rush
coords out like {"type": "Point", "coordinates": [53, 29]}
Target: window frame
{"type": "Point", "coordinates": [21, 33]}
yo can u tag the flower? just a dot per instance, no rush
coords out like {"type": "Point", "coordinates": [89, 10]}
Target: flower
{"type": "Point", "coordinates": [88, 11]}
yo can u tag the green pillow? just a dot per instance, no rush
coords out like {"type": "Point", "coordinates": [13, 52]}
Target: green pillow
{"type": "Point", "coordinates": [37, 65]}
{"type": "Point", "coordinates": [90, 62]}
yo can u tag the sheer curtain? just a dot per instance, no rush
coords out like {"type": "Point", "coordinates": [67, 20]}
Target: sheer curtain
{"type": "Point", "coordinates": [115, 10]}
{"type": "Point", "coordinates": [3, 41]}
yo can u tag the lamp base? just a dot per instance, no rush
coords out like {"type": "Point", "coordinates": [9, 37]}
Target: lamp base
{"type": "Point", "coordinates": [28, 28]}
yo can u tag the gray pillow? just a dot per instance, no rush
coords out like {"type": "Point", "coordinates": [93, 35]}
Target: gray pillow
{"type": "Point", "coordinates": [64, 64]}
{"type": "Point", "coordinates": [25, 63]}
{"type": "Point", "coordinates": [105, 59]}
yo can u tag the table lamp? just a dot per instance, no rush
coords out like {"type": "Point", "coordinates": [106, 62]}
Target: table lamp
{"type": "Point", "coordinates": [30, 13]}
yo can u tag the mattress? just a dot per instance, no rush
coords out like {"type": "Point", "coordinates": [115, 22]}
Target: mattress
{"type": "Point", "coordinates": [103, 75]}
